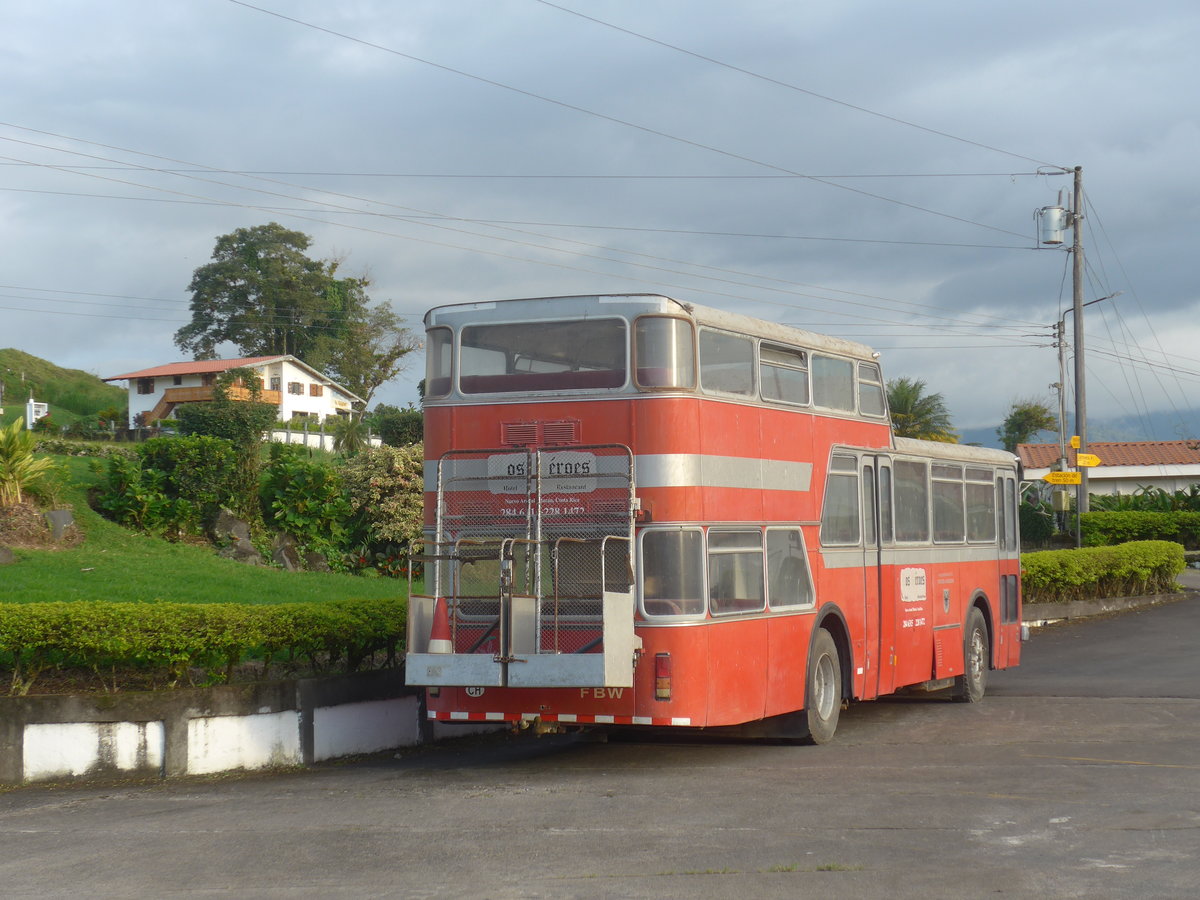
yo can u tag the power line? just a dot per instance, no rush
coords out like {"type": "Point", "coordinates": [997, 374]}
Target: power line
{"type": "Point", "coordinates": [500, 176]}
{"type": "Point", "coordinates": [438, 225]}
{"type": "Point", "coordinates": [787, 85]}
{"type": "Point", "coordinates": [613, 119]}
{"type": "Point", "coordinates": [480, 221]}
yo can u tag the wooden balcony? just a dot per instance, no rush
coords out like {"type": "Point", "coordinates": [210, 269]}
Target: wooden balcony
{"type": "Point", "coordinates": [173, 396]}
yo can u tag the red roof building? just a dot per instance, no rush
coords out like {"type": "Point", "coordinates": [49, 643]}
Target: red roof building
{"type": "Point", "coordinates": [1125, 466]}
{"type": "Point", "coordinates": [294, 387]}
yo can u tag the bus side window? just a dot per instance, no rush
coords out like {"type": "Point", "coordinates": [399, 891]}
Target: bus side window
{"type": "Point", "coordinates": [833, 382]}
{"type": "Point", "coordinates": [789, 582]}
{"type": "Point", "coordinates": [912, 500]}
{"type": "Point", "coordinates": [840, 512]}
{"type": "Point", "coordinates": [672, 572]}
{"type": "Point", "coordinates": [870, 390]}
{"type": "Point", "coordinates": [726, 363]}
{"type": "Point", "coordinates": [981, 506]}
{"type": "Point", "coordinates": [783, 374]}
{"type": "Point", "coordinates": [948, 507]}
{"type": "Point", "coordinates": [735, 570]}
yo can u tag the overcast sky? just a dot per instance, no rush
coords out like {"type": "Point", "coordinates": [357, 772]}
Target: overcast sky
{"type": "Point", "coordinates": [865, 168]}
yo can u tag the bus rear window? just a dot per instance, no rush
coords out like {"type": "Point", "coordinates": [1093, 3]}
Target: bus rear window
{"type": "Point", "coordinates": [439, 347]}
{"type": "Point", "coordinates": [583, 354]}
{"type": "Point", "coordinates": [665, 352]}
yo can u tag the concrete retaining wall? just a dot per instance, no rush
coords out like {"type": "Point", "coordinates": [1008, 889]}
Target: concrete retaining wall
{"type": "Point", "coordinates": [206, 730]}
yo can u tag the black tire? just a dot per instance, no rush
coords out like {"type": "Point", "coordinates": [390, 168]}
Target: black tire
{"type": "Point", "coordinates": [977, 659]}
{"type": "Point", "coordinates": [823, 689]}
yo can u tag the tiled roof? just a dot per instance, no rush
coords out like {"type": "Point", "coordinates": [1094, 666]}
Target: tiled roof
{"type": "Point", "coordinates": [196, 367]}
{"type": "Point", "coordinates": [1116, 453]}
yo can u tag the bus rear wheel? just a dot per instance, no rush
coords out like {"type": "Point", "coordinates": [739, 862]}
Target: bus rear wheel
{"type": "Point", "coordinates": [823, 692]}
{"type": "Point", "coordinates": [971, 685]}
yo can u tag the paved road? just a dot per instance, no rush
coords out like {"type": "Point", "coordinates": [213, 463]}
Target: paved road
{"type": "Point", "coordinates": [1078, 776]}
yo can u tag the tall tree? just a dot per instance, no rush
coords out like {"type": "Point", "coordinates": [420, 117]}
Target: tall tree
{"type": "Point", "coordinates": [1024, 420]}
{"type": "Point", "coordinates": [916, 414]}
{"type": "Point", "coordinates": [367, 344]}
{"type": "Point", "coordinates": [263, 294]}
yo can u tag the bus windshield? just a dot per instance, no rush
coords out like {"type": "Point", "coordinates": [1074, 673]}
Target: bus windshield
{"type": "Point", "coordinates": [580, 354]}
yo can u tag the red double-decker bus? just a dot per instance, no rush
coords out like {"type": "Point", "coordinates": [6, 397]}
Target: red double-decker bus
{"type": "Point", "coordinates": [640, 511]}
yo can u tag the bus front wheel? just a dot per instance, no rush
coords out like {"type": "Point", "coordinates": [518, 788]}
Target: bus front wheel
{"type": "Point", "coordinates": [823, 693]}
{"type": "Point", "coordinates": [970, 686]}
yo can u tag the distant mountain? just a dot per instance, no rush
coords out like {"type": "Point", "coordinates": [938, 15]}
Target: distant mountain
{"type": "Point", "coordinates": [73, 390]}
{"type": "Point", "coordinates": [1158, 426]}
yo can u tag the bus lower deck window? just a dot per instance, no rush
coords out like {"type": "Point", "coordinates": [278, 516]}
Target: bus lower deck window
{"type": "Point", "coordinates": [673, 572]}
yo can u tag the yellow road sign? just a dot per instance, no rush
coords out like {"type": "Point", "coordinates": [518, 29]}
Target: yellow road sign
{"type": "Point", "coordinates": [1075, 441]}
{"type": "Point", "coordinates": [1087, 459]}
{"type": "Point", "coordinates": [1063, 478]}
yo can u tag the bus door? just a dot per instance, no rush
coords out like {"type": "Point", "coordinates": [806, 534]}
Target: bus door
{"type": "Point", "coordinates": [877, 532]}
{"type": "Point", "coordinates": [1006, 650]}
{"type": "Point", "coordinates": [908, 614]}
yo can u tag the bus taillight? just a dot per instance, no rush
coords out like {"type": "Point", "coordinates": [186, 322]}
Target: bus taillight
{"type": "Point", "coordinates": [662, 676]}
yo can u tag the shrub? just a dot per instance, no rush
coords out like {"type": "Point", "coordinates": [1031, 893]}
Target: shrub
{"type": "Point", "coordinates": [398, 427]}
{"type": "Point", "coordinates": [386, 486]}
{"type": "Point", "coordinates": [176, 642]}
{"type": "Point", "coordinates": [1117, 527]}
{"type": "Point", "coordinates": [305, 498]}
{"type": "Point", "coordinates": [170, 485]}
{"type": "Point", "coordinates": [1136, 568]}
{"type": "Point", "coordinates": [199, 469]}
{"type": "Point", "coordinates": [1037, 524]}
{"type": "Point", "coordinates": [137, 498]}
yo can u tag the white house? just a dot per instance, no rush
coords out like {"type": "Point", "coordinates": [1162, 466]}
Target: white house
{"type": "Point", "coordinates": [294, 387]}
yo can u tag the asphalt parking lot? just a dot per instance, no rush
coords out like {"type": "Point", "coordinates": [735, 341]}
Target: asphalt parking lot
{"type": "Point", "coordinates": [1078, 775]}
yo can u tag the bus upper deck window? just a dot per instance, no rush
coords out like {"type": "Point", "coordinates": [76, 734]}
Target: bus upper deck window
{"type": "Point", "coordinates": [665, 353]}
{"type": "Point", "coordinates": [783, 373]}
{"type": "Point", "coordinates": [439, 351]}
{"type": "Point", "coordinates": [726, 363]}
{"type": "Point", "coordinates": [531, 357]}
{"type": "Point", "coordinates": [870, 390]}
{"type": "Point", "coordinates": [833, 382]}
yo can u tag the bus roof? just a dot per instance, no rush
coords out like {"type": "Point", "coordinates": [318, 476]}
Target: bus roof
{"type": "Point", "coordinates": [543, 308]}
{"type": "Point", "coordinates": [962, 453]}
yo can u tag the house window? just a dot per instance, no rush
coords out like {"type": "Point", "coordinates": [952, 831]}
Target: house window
{"type": "Point", "coordinates": [177, 380]}
{"type": "Point", "coordinates": [276, 381]}
{"type": "Point", "coordinates": [145, 385]}
{"type": "Point", "coordinates": [208, 379]}
{"type": "Point", "coordinates": [295, 387]}
{"type": "Point", "coordinates": [315, 390]}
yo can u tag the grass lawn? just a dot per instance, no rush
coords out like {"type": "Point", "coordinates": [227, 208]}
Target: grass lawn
{"type": "Point", "coordinates": [118, 565]}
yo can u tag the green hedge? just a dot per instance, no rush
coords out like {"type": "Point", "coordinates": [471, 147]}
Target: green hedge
{"type": "Point", "coordinates": [1126, 570]}
{"type": "Point", "coordinates": [172, 642]}
{"type": "Point", "coordinates": [1103, 528]}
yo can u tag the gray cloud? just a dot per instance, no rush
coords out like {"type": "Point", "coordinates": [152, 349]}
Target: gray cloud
{"type": "Point", "coordinates": [221, 85]}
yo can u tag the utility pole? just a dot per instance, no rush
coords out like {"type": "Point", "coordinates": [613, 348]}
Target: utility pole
{"type": "Point", "coordinates": [1081, 496]}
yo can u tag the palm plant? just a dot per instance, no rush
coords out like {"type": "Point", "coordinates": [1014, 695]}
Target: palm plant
{"type": "Point", "coordinates": [350, 434]}
{"type": "Point", "coordinates": [916, 414]}
{"type": "Point", "coordinates": [19, 469]}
